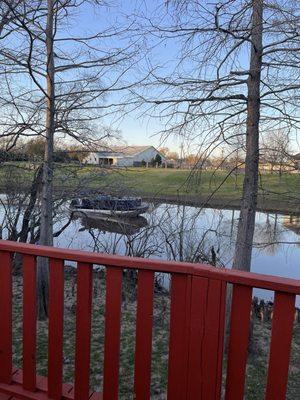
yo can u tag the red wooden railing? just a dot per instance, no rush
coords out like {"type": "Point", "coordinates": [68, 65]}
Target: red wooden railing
{"type": "Point", "coordinates": [196, 339]}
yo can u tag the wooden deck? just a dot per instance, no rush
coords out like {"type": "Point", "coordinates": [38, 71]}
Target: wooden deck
{"type": "Point", "coordinates": [16, 386]}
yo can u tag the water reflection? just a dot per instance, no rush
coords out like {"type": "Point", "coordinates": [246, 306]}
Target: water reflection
{"type": "Point", "coordinates": [269, 232]}
{"type": "Point", "coordinates": [184, 233]}
{"type": "Point", "coordinates": [176, 232]}
{"type": "Point", "coordinates": [129, 226]}
{"type": "Point", "coordinates": [292, 222]}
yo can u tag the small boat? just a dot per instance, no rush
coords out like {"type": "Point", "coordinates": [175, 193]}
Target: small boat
{"type": "Point", "coordinates": [107, 205]}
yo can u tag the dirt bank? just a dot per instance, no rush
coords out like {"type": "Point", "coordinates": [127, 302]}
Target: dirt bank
{"type": "Point", "coordinates": [264, 205]}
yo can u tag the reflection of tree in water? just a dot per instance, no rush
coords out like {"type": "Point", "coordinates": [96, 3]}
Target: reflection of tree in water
{"type": "Point", "coordinates": [138, 242]}
{"type": "Point", "coordinates": [227, 230]}
{"type": "Point", "coordinates": [186, 239]}
{"type": "Point", "coordinates": [292, 222]}
{"type": "Point", "coordinates": [174, 233]}
{"type": "Point", "coordinates": [184, 233]}
{"type": "Point", "coordinates": [268, 234]}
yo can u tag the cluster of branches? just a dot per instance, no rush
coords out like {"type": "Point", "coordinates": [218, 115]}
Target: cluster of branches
{"type": "Point", "coordinates": [86, 68]}
{"type": "Point", "coordinates": [54, 83]}
{"type": "Point", "coordinates": [234, 74]}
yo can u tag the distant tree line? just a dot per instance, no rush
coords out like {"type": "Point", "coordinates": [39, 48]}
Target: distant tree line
{"type": "Point", "coordinates": [33, 150]}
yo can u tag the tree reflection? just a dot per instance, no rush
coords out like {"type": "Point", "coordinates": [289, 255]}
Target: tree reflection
{"type": "Point", "coordinates": [269, 234]}
{"type": "Point", "coordinates": [177, 233]}
{"type": "Point", "coordinates": [182, 233]}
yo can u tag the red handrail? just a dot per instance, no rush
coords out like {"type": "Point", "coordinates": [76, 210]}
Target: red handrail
{"type": "Point", "coordinates": [269, 282]}
{"type": "Point", "coordinates": [198, 298]}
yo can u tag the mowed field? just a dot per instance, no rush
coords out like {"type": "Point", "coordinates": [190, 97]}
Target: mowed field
{"type": "Point", "coordinates": [213, 187]}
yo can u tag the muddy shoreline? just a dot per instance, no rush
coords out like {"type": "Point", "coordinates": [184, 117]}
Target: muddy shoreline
{"type": "Point", "coordinates": [266, 206]}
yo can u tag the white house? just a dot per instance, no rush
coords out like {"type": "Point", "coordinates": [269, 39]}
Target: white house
{"type": "Point", "coordinates": [126, 156]}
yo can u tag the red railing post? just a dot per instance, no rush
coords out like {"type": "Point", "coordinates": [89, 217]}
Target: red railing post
{"type": "Point", "coordinates": [281, 339]}
{"type": "Point", "coordinates": [83, 331]}
{"type": "Point", "coordinates": [238, 341]}
{"type": "Point", "coordinates": [56, 318]}
{"type": "Point", "coordinates": [179, 336]}
{"type": "Point", "coordinates": [197, 333]}
{"type": "Point", "coordinates": [207, 316]}
{"type": "Point", "coordinates": [29, 322]}
{"type": "Point", "coordinates": [5, 317]}
{"type": "Point", "coordinates": [143, 342]}
{"type": "Point", "coordinates": [112, 333]}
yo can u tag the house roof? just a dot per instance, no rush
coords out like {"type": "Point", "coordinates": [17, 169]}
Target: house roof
{"type": "Point", "coordinates": [129, 150]}
{"type": "Point", "coordinates": [121, 151]}
{"type": "Point", "coordinates": [296, 156]}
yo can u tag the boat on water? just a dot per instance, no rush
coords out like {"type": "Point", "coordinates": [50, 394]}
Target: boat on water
{"type": "Point", "coordinates": [107, 205]}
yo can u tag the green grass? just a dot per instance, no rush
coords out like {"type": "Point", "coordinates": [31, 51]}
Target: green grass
{"type": "Point", "coordinates": [160, 183]}
{"type": "Point", "coordinates": [173, 181]}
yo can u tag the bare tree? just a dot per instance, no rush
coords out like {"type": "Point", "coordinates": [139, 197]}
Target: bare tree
{"type": "Point", "coordinates": [236, 157]}
{"type": "Point", "coordinates": [276, 150]}
{"type": "Point", "coordinates": [237, 70]}
{"type": "Point", "coordinates": [62, 94]}
{"type": "Point", "coordinates": [46, 231]}
{"type": "Point", "coordinates": [244, 243]}
{"type": "Point", "coordinates": [4, 16]}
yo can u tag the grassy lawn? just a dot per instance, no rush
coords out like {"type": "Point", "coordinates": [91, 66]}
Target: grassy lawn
{"type": "Point", "coordinates": [175, 182]}
{"type": "Point", "coordinates": [161, 183]}
{"type": "Point", "coordinates": [217, 188]}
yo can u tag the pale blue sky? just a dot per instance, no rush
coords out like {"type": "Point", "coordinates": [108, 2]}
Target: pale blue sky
{"type": "Point", "coordinates": [135, 127]}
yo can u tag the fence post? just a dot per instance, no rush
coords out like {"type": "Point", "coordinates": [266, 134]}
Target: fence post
{"type": "Point", "coordinates": [179, 336]}
{"type": "Point", "coordinates": [206, 336]}
{"type": "Point", "coordinates": [5, 317]}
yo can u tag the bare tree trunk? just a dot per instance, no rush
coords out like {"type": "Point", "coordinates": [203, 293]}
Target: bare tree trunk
{"type": "Point", "coordinates": [243, 249]}
{"type": "Point", "coordinates": [236, 173]}
{"type": "Point", "coordinates": [28, 213]}
{"type": "Point", "coordinates": [46, 228]}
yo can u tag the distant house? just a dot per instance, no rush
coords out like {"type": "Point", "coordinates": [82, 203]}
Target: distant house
{"type": "Point", "coordinates": [296, 160]}
{"type": "Point", "coordinates": [125, 156]}
{"type": "Point", "coordinates": [288, 163]}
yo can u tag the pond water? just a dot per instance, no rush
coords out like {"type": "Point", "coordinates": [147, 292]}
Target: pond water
{"type": "Point", "coordinates": [184, 233]}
